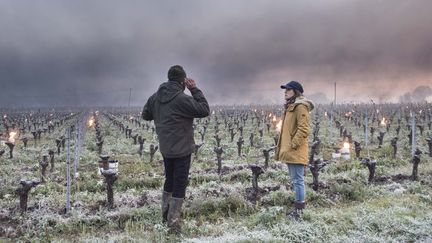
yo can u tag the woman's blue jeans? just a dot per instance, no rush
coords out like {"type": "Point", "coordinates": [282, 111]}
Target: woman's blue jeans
{"type": "Point", "coordinates": [296, 172]}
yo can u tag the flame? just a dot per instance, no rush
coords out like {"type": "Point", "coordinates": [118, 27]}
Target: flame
{"type": "Point", "coordinates": [274, 118]}
{"type": "Point", "coordinates": [91, 122]}
{"type": "Point", "coordinates": [270, 115]}
{"type": "Point", "coordinates": [346, 145]}
{"type": "Point", "coordinates": [279, 126]}
{"type": "Point", "coordinates": [383, 122]}
{"type": "Point", "coordinates": [12, 137]}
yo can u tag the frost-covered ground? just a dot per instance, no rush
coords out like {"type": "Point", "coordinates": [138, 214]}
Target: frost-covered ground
{"type": "Point", "coordinates": [217, 208]}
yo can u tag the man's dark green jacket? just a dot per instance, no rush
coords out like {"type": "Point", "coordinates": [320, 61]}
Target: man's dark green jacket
{"type": "Point", "coordinates": [173, 112]}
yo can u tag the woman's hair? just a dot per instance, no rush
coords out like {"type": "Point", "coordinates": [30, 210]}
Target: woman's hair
{"type": "Point", "coordinates": [297, 93]}
{"type": "Point", "coordinates": [293, 98]}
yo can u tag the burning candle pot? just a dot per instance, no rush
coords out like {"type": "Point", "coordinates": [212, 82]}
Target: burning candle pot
{"type": "Point", "coordinates": [11, 143]}
{"type": "Point", "coordinates": [345, 151]}
{"type": "Point", "coordinates": [279, 126]}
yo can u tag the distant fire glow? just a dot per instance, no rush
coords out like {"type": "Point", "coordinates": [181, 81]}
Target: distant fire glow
{"type": "Point", "coordinates": [383, 122]}
{"type": "Point", "coordinates": [279, 126]}
{"type": "Point", "coordinates": [12, 137]}
{"type": "Point", "coordinates": [346, 145]}
{"type": "Point", "coordinates": [91, 122]}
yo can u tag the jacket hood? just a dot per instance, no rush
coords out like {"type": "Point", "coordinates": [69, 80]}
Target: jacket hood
{"type": "Point", "coordinates": [168, 91]}
{"type": "Point", "coordinates": [302, 100]}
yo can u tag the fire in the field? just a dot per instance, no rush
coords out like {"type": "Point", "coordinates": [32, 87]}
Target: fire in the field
{"type": "Point", "coordinates": [383, 122]}
{"type": "Point", "coordinates": [91, 122]}
{"type": "Point", "coordinates": [346, 145]}
{"type": "Point", "coordinates": [12, 137]}
{"type": "Point", "coordinates": [279, 126]}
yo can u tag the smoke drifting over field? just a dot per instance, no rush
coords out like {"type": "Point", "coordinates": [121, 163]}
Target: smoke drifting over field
{"type": "Point", "coordinates": [91, 53]}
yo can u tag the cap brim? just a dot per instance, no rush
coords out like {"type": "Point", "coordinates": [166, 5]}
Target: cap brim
{"type": "Point", "coordinates": [286, 87]}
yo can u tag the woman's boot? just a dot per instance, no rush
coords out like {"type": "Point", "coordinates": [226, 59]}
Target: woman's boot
{"type": "Point", "coordinates": [296, 212]}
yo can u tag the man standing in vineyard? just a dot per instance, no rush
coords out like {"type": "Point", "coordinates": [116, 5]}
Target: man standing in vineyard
{"type": "Point", "coordinates": [173, 113]}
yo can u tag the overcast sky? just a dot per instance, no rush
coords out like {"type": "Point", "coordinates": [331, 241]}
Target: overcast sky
{"type": "Point", "coordinates": [92, 52]}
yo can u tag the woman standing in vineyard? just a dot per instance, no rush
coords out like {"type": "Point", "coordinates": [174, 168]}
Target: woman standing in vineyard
{"type": "Point", "coordinates": [292, 147]}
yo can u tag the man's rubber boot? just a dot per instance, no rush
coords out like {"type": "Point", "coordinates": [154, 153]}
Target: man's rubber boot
{"type": "Point", "coordinates": [174, 215]}
{"type": "Point", "coordinates": [166, 196]}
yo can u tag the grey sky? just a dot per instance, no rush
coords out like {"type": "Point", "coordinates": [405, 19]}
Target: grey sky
{"type": "Point", "coordinates": [92, 52]}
